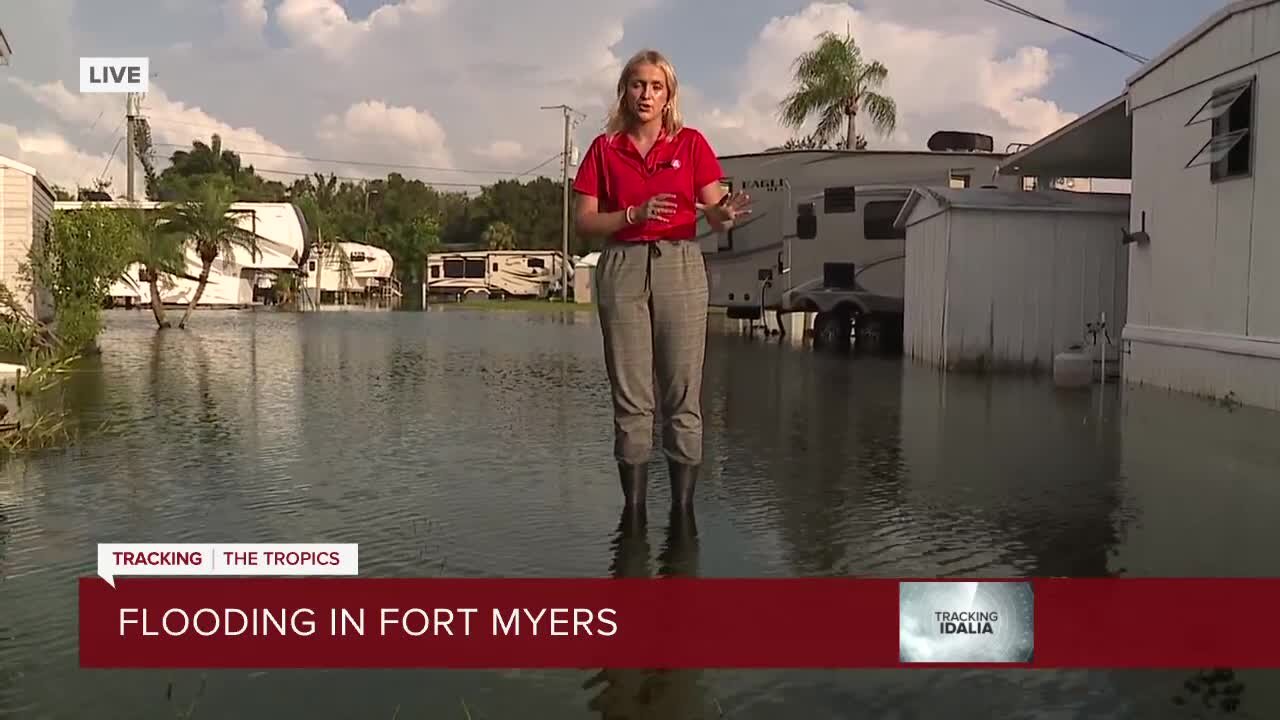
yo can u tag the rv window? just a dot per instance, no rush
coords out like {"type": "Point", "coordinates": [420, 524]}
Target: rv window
{"type": "Point", "coordinates": [435, 271]}
{"type": "Point", "coordinates": [959, 181]}
{"type": "Point", "coordinates": [454, 269]}
{"type": "Point", "coordinates": [537, 263]}
{"type": "Point", "coordinates": [311, 266]}
{"type": "Point", "coordinates": [839, 200]}
{"type": "Point", "coordinates": [475, 268]}
{"type": "Point", "coordinates": [495, 267]}
{"type": "Point", "coordinates": [356, 257]}
{"type": "Point", "coordinates": [877, 220]}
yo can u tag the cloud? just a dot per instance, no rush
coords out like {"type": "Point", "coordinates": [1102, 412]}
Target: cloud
{"type": "Point", "coordinates": [460, 84]}
{"type": "Point", "coordinates": [503, 150]}
{"type": "Point", "coordinates": [59, 161]}
{"type": "Point", "coordinates": [249, 16]}
{"type": "Point", "coordinates": [384, 133]}
{"type": "Point", "coordinates": [941, 79]}
{"type": "Point", "coordinates": [174, 126]}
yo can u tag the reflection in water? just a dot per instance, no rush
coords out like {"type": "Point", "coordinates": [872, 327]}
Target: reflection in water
{"type": "Point", "coordinates": [472, 443]}
{"type": "Point", "coordinates": [855, 464]}
{"type": "Point", "coordinates": [629, 694]}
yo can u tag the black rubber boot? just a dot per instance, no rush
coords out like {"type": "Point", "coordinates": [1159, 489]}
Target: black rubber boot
{"type": "Point", "coordinates": [635, 481]}
{"type": "Point", "coordinates": [683, 480]}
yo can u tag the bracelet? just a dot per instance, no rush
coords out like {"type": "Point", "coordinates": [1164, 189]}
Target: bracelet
{"type": "Point", "coordinates": [628, 215]}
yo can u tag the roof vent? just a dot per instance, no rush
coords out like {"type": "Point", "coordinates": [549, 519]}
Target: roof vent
{"type": "Point", "coordinates": [957, 141]}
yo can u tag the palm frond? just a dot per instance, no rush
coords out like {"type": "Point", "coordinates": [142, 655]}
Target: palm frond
{"type": "Point", "coordinates": [872, 76]}
{"type": "Point", "coordinates": [882, 110]}
{"type": "Point", "coordinates": [830, 124]}
{"type": "Point", "coordinates": [795, 110]}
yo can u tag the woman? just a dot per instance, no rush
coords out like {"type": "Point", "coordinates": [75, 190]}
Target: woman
{"type": "Point", "coordinates": [641, 184]}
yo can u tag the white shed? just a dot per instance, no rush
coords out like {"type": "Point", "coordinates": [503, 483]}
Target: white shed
{"type": "Point", "coordinates": [1003, 280]}
{"type": "Point", "coordinates": [26, 216]}
{"type": "Point", "coordinates": [1196, 131]}
{"type": "Point", "coordinates": [584, 278]}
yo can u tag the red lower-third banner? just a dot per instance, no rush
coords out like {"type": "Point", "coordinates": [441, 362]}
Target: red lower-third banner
{"type": "Point", "coordinates": [204, 622]}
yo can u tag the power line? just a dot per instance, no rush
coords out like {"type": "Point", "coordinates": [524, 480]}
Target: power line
{"type": "Point", "coordinates": [542, 164]}
{"type": "Point", "coordinates": [360, 163]}
{"type": "Point", "coordinates": [1010, 6]}
{"type": "Point", "coordinates": [114, 149]}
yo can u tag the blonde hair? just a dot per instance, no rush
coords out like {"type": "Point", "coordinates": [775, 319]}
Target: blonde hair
{"type": "Point", "coordinates": [620, 115]}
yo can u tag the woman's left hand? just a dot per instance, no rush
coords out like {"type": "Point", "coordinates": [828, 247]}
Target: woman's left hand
{"type": "Point", "coordinates": [733, 206]}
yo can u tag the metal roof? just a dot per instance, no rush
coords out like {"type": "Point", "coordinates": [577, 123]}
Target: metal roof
{"type": "Point", "coordinates": [948, 198]}
{"type": "Point", "coordinates": [27, 169]}
{"type": "Point", "coordinates": [1098, 144]}
{"type": "Point", "coordinates": [1214, 20]}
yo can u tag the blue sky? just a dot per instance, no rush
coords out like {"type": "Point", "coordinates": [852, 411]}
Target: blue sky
{"type": "Point", "coordinates": [456, 84]}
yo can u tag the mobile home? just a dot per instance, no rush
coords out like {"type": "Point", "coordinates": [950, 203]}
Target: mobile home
{"type": "Point", "coordinates": [495, 273]}
{"type": "Point", "coordinates": [26, 207]}
{"type": "Point", "coordinates": [1192, 132]}
{"type": "Point", "coordinates": [351, 272]}
{"type": "Point", "coordinates": [821, 237]}
{"type": "Point", "coordinates": [281, 237]}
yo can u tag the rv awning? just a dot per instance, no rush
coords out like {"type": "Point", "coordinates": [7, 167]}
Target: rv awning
{"type": "Point", "coordinates": [1096, 145]}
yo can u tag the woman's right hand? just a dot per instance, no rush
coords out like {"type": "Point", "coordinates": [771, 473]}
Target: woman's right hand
{"type": "Point", "coordinates": [659, 207]}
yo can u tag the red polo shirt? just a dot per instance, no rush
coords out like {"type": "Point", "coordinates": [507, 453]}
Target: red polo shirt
{"type": "Point", "coordinates": [614, 172]}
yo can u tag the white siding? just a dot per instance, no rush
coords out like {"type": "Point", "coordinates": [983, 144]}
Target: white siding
{"type": "Point", "coordinates": [15, 229]}
{"type": "Point", "coordinates": [1205, 301]}
{"type": "Point", "coordinates": [924, 315]}
{"type": "Point", "coordinates": [1241, 40]}
{"type": "Point", "coordinates": [1017, 287]}
{"type": "Point", "coordinates": [1264, 248]}
{"type": "Point", "coordinates": [41, 222]}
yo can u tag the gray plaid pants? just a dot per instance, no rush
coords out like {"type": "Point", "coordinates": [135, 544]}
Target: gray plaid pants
{"type": "Point", "coordinates": [652, 300]}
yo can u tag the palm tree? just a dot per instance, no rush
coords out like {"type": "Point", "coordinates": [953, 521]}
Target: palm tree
{"type": "Point", "coordinates": [207, 219]}
{"type": "Point", "coordinates": [160, 252]}
{"type": "Point", "coordinates": [833, 81]}
{"type": "Point", "coordinates": [499, 236]}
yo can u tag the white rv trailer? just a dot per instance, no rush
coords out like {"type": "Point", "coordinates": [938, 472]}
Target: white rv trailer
{"type": "Point", "coordinates": [281, 233]}
{"type": "Point", "coordinates": [821, 235]}
{"type": "Point", "coordinates": [495, 273]}
{"type": "Point", "coordinates": [352, 269]}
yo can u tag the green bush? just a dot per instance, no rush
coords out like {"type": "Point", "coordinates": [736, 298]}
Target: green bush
{"type": "Point", "coordinates": [76, 260]}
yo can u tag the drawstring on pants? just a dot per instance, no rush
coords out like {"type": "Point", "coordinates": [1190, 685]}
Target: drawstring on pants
{"type": "Point", "coordinates": [654, 252]}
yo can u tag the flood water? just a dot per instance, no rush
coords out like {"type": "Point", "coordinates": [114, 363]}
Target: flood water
{"type": "Point", "coordinates": [478, 443]}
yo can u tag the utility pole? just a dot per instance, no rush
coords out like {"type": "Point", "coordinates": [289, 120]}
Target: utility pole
{"type": "Point", "coordinates": [564, 179]}
{"type": "Point", "coordinates": [130, 114]}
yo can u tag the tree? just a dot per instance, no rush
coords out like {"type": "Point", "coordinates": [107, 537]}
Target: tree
{"type": "Point", "coordinates": [207, 220]}
{"type": "Point", "coordinates": [189, 169]}
{"type": "Point", "coordinates": [499, 236]}
{"type": "Point", "coordinates": [809, 143]}
{"type": "Point", "coordinates": [75, 258]}
{"type": "Point", "coordinates": [834, 83]}
{"type": "Point", "coordinates": [161, 253]}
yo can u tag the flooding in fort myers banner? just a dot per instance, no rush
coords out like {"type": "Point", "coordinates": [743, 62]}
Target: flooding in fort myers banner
{"type": "Point", "coordinates": [478, 443]}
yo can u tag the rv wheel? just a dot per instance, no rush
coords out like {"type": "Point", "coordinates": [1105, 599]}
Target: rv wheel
{"type": "Point", "coordinates": [832, 328]}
